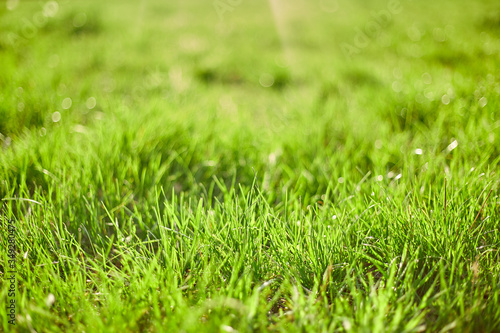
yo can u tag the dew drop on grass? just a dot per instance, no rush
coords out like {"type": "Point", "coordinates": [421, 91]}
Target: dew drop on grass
{"type": "Point", "coordinates": [427, 78]}
{"type": "Point", "coordinates": [429, 95]}
{"type": "Point", "coordinates": [266, 80]}
{"type": "Point", "coordinates": [79, 20]}
{"type": "Point", "coordinates": [396, 86]}
{"type": "Point", "coordinates": [91, 103]}
{"type": "Point", "coordinates": [380, 178]}
{"type": "Point", "coordinates": [50, 9]}
{"type": "Point", "coordinates": [418, 151]}
{"type": "Point", "coordinates": [334, 217]}
{"type": "Point", "coordinates": [445, 99]}
{"type": "Point", "coordinates": [66, 103]}
{"type": "Point", "coordinates": [414, 33]}
{"type": "Point", "coordinates": [56, 116]}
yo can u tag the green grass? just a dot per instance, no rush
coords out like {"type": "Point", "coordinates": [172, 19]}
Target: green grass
{"type": "Point", "coordinates": [157, 185]}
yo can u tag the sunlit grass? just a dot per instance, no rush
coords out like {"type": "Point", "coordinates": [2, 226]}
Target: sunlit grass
{"type": "Point", "coordinates": [169, 169]}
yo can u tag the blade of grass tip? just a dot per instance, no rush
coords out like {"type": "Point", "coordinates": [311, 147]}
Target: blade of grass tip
{"type": "Point", "coordinates": [365, 176]}
{"type": "Point", "coordinates": [176, 232]}
{"type": "Point", "coordinates": [445, 184]}
{"type": "Point", "coordinates": [481, 210]}
{"type": "Point", "coordinates": [22, 199]}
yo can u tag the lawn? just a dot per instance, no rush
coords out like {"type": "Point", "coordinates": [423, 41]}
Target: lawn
{"type": "Point", "coordinates": [250, 166]}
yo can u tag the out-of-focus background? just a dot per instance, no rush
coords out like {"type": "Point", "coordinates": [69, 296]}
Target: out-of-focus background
{"type": "Point", "coordinates": [327, 71]}
{"type": "Point", "coordinates": [251, 61]}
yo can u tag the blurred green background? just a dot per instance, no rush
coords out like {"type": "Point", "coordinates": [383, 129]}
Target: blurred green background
{"type": "Point", "coordinates": [256, 73]}
{"type": "Point", "coordinates": [214, 55]}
